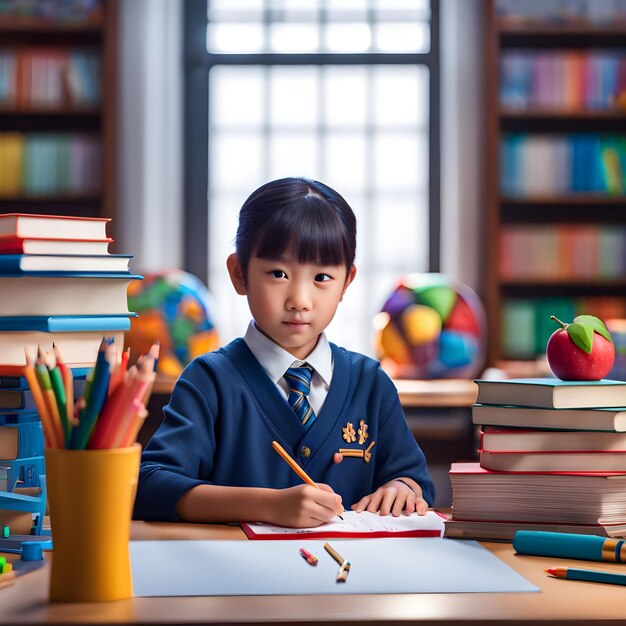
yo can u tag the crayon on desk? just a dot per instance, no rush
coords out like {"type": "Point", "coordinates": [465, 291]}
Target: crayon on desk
{"type": "Point", "coordinates": [570, 546]}
{"type": "Point", "coordinates": [311, 559]}
{"type": "Point", "coordinates": [587, 575]}
{"type": "Point", "coordinates": [344, 564]}
{"type": "Point", "coordinates": [295, 467]}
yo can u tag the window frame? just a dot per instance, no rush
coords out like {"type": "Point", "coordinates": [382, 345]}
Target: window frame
{"type": "Point", "coordinates": [197, 65]}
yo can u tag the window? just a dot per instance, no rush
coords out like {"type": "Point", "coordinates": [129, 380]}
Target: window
{"type": "Point", "coordinates": [343, 91]}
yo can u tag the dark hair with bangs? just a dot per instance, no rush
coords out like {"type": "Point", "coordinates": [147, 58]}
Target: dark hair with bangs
{"type": "Point", "coordinates": [305, 214]}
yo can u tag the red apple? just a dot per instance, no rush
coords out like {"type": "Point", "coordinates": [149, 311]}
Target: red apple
{"type": "Point", "coordinates": [582, 350]}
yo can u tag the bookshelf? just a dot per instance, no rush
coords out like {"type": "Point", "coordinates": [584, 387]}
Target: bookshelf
{"type": "Point", "coordinates": [58, 108]}
{"type": "Point", "coordinates": [556, 172]}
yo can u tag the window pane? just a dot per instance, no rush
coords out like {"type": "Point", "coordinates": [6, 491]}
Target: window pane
{"type": "Point", "coordinates": [400, 162]}
{"type": "Point", "coordinates": [353, 37]}
{"type": "Point", "coordinates": [403, 37]}
{"type": "Point", "coordinates": [235, 5]}
{"type": "Point", "coordinates": [293, 154]}
{"type": "Point", "coordinates": [294, 37]}
{"type": "Point", "coordinates": [294, 96]}
{"type": "Point", "coordinates": [235, 159]}
{"type": "Point", "coordinates": [235, 37]}
{"type": "Point", "coordinates": [401, 95]}
{"type": "Point", "coordinates": [401, 227]}
{"type": "Point", "coordinates": [236, 97]}
{"type": "Point", "coordinates": [345, 96]}
{"type": "Point", "coordinates": [345, 160]}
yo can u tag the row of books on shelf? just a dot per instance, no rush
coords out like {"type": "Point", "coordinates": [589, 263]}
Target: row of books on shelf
{"type": "Point", "coordinates": [44, 163]}
{"type": "Point", "coordinates": [552, 456]}
{"type": "Point", "coordinates": [52, 11]}
{"type": "Point", "coordinates": [526, 323]}
{"type": "Point", "coordinates": [64, 299]}
{"type": "Point", "coordinates": [566, 252]}
{"type": "Point", "coordinates": [582, 12]}
{"type": "Point", "coordinates": [49, 77]}
{"type": "Point", "coordinates": [566, 80]}
{"type": "Point", "coordinates": [536, 165]}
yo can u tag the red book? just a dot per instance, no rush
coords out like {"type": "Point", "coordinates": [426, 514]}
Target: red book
{"type": "Point", "coordinates": [30, 225]}
{"type": "Point", "coordinates": [11, 244]}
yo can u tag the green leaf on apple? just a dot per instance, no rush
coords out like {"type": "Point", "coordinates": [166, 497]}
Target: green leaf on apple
{"type": "Point", "coordinates": [582, 335]}
{"type": "Point", "coordinates": [595, 323]}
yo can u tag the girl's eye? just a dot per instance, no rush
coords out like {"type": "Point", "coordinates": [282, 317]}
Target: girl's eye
{"type": "Point", "coordinates": [278, 274]}
{"type": "Point", "coordinates": [321, 278]}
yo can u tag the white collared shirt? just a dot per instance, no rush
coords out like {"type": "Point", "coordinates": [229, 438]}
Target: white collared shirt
{"type": "Point", "coordinates": [276, 362]}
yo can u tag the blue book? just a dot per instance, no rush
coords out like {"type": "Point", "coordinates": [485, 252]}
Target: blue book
{"type": "Point", "coordinates": [75, 263]}
{"type": "Point", "coordinates": [553, 393]}
{"type": "Point", "coordinates": [65, 323]}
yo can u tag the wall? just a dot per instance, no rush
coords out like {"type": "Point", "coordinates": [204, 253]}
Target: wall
{"type": "Point", "coordinates": [462, 86]}
{"type": "Point", "coordinates": [150, 133]}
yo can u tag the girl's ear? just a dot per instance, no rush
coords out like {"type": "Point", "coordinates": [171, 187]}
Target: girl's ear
{"type": "Point", "coordinates": [235, 271]}
{"type": "Point", "coordinates": [349, 279]}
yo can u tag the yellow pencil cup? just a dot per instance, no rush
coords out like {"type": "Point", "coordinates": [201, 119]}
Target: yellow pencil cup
{"type": "Point", "coordinates": [91, 495]}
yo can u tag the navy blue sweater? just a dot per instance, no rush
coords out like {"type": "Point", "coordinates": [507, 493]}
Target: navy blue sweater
{"type": "Point", "coordinates": [225, 412]}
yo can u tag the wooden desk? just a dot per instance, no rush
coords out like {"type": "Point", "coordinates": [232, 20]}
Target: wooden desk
{"type": "Point", "coordinates": [560, 602]}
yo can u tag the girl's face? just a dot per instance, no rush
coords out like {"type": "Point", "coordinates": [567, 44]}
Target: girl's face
{"type": "Point", "coordinates": [292, 303]}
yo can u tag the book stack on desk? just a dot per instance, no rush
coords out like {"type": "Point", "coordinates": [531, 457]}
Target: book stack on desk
{"type": "Point", "coordinates": [59, 286]}
{"type": "Point", "coordinates": [552, 456]}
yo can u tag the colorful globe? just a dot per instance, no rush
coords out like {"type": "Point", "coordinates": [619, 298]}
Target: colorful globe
{"type": "Point", "coordinates": [174, 308]}
{"type": "Point", "coordinates": [430, 328]}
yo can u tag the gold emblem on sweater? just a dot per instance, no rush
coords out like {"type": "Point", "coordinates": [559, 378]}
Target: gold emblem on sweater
{"type": "Point", "coordinates": [366, 455]}
{"type": "Point", "coordinates": [350, 436]}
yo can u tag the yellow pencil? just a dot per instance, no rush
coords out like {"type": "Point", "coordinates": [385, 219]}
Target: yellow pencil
{"type": "Point", "coordinates": [295, 467]}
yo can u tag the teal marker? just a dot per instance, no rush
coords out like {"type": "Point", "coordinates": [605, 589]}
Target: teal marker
{"type": "Point", "coordinates": [570, 546]}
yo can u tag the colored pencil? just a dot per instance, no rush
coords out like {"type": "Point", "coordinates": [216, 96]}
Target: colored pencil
{"type": "Point", "coordinates": [97, 396]}
{"type": "Point", "coordinates": [68, 383]}
{"type": "Point", "coordinates": [58, 388]}
{"type": "Point", "coordinates": [587, 575]}
{"type": "Point", "coordinates": [43, 378]}
{"type": "Point", "coordinates": [46, 421]}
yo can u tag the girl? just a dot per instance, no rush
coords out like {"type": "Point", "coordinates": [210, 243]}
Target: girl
{"type": "Point", "coordinates": [335, 411]}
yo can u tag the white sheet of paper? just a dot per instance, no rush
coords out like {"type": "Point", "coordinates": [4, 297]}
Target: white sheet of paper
{"type": "Point", "coordinates": [390, 565]}
{"type": "Point", "coordinates": [365, 522]}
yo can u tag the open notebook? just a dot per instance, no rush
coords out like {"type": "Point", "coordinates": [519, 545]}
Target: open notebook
{"type": "Point", "coordinates": [357, 525]}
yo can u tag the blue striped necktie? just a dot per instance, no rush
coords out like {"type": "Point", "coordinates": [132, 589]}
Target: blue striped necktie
{"type": "Point", "coordinates": [299, 384]}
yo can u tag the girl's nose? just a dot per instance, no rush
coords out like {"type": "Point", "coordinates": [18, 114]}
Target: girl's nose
{"type": "Point", "coordinates": [298, 300]}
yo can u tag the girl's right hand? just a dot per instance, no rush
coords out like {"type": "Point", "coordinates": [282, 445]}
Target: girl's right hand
{"type": "Point", "coordinates": [303, 506]}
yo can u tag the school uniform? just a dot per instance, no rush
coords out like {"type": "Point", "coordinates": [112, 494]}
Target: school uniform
{"type": "Point", "coordinates": [227, 408]}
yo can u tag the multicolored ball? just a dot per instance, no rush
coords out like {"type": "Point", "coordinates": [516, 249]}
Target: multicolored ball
{"type": "Point", "coordinates": [430, 328]}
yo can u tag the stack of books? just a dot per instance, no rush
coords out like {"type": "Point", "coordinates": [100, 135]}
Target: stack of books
{"type": "Point", "coordinates": [59, 286]}
{"type": "Point", "coordinates": [552, 457]}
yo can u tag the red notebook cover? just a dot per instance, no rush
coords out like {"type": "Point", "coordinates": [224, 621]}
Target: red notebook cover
{"type": "Point", "coordinates": [357, 526]}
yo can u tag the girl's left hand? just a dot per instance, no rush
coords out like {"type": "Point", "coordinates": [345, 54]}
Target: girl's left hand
{"type": "Point", "coordinates": [393, 497]}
